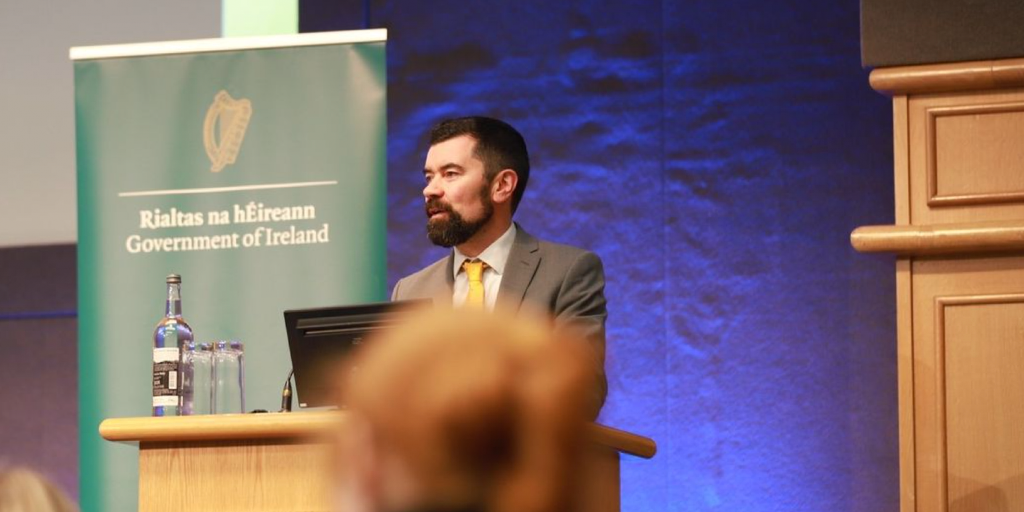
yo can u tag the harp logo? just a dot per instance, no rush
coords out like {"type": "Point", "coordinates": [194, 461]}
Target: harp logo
{"type": "Point", "coordinates": [224, 129]}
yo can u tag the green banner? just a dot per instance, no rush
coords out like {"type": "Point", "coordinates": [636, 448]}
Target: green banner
{"type": "Point", "coordinates": [256, 174]}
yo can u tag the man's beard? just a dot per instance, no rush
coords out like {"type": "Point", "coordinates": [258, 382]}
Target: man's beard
{"type": "Point", "coordinates": [455, 229]}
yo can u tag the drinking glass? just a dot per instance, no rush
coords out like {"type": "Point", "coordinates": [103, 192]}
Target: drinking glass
{"type": "Point", "coordinates": [228, 377]}
{"type": "Point", "coordinates": [197, 375]}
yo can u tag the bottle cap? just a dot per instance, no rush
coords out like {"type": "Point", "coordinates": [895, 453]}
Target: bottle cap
{"type": "Point", "coordinates": [174, 279]}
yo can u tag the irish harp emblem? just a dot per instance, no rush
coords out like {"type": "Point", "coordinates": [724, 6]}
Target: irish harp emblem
{"type": "Point", "coordinates": [224, 129]}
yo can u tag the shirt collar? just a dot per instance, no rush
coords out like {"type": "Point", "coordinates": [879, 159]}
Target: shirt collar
{"type": "Point", "coordinates": [495, 255]}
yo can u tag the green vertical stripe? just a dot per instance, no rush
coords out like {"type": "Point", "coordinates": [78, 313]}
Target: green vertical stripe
{"type": "Point", "coordinates": [259, 17]}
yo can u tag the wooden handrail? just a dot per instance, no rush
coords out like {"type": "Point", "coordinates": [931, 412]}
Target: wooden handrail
{"type": "Point", "coordinates": [960, 238]}
{"type": "Point", "coordinates": [623, 441]}
{"type": "Point", "coordinates": [959, 76]}
{"type": "Point", "coordinates": [296, 425]}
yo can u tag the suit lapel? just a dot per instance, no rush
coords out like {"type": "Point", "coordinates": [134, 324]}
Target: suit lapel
{"type": "Point", "coordinates": [444, 287]}
{"type": "Point", "coordinates": [519, 271]}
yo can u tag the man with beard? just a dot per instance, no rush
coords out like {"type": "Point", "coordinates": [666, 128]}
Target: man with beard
{"type": "Point", "coordinates": [476, 172]}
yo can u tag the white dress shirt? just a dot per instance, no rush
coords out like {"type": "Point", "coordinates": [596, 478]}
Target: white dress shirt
{"type": "Point", "coordinates": [495, 256]}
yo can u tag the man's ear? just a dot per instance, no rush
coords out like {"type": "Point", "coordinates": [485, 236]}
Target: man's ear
{"type": "Point", "coordinates": [503, 185]}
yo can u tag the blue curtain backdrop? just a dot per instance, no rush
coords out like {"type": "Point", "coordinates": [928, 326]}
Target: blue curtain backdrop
{"type": "Point", "coordinates": [716, 155]}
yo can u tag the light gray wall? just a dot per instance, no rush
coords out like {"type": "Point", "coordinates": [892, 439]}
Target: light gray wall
{"type": "Point", "coordinates": [37, 136]}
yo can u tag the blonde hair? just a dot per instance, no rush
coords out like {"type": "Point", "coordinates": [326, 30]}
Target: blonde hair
{"type": "Point", "coordinates": [24, 490]}
{"type": "Point", "coordinates": [485, 411]}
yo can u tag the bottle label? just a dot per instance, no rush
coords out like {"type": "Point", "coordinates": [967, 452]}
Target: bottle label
{"type": "Point", "coordinates": [165, 376]}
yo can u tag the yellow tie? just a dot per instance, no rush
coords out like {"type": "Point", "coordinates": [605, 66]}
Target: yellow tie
{"type": "Point", "coordinates": [475, 272]}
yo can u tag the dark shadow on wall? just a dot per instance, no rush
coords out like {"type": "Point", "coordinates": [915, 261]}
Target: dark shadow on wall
{"type": "Point", "coordinates": [39, 361]}
{"type": "Point", "coordinates": [1004, 496]}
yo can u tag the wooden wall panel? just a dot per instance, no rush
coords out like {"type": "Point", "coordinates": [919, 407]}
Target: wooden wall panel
{"type": "Point", "coordinates": [969, 384]}
{"type": "Point", "coordinates": [983, 346]}
{"type": "Point", "coordinates": [958, 133]}
{"type": "Point", "coordinates": [966, 157]}
{"type": "Point", "coordinates": [975, 153]}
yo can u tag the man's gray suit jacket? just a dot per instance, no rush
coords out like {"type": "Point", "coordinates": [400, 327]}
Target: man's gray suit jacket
{"type": "Point", "coordinates": [563, 281]}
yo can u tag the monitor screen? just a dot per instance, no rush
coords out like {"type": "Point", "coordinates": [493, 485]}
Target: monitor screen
{"type": "Point", "coordinates": [321, 339]}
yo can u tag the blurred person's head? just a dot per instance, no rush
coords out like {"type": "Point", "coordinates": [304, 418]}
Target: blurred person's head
{"type": "Point", "coordinates": [464, 412]}
{"type": "Point", "coordinates": [23, 490]}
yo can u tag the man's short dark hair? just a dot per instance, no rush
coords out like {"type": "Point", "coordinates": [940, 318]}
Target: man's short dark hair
{"type": "Point", "coordinates": [498, 145]}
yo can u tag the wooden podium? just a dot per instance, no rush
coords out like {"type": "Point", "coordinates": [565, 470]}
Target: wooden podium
{"type": "Point", "coordinates": [282, 461]}
{"type": "Point", "coordinates": [959, 239]}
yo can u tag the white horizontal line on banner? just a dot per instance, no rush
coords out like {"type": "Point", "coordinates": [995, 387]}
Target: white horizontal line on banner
{"type": "Point", "coordinates": [228, 44]}
{"type": "Point", "coordinates": [215, 190]}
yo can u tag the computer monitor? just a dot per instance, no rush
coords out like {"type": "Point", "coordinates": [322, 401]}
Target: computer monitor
{"type": "Point", "coordinates": [320, 340]}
